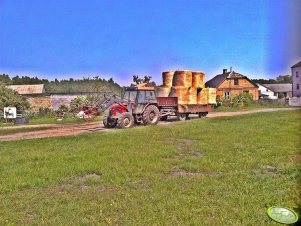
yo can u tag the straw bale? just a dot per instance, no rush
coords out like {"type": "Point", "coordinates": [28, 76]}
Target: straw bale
{"type": "Point", "coordinates": [181, 93]}
{"type": "Point", "coordinates": [203, 96]}
{"type": "Point", "coordinates": [212, 95]}
{"type": "Point", "coordinates": [182, 78]}
{"type": "Point", "coordinates": [192, 95]}
{"type": "Point", "coordinates": [198, 79]}
{"type": "Point", "coordinates": [167, 77]}
{"type": "Point", "coordinates": [162, 91]}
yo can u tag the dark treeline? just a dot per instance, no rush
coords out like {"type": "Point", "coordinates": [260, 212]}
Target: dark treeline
{"type": "Point", "coordinates": [95, 84]}
{"type": "Point", "coordinates": [278, 80]}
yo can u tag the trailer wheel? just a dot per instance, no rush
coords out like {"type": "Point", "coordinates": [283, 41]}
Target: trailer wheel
{"type": "Point", "coordinates": [182, 116]}
{"type": "Point", "coordinates": [151, 115]}
{"type": "Point", "coordinates": [125, 120]}
{"type": "Point", "coordinates": [109, 122]}
{"type": "Point", "coordinates": [203, 114]}
{"type": "Point", "coordinates": [164, 118]}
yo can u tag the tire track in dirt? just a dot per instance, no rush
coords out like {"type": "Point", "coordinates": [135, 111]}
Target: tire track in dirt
{"type": "Point", "coordinates": [62, 130]}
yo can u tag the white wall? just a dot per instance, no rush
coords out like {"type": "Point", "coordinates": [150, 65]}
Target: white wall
{"type": "Point", "coordinates": [266, 91]}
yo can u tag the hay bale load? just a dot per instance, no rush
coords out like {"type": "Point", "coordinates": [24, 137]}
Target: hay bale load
{"type": "Point", "coordinates": [188, 86]}
{"type": "Point", "coordinates": [162, 91]}
{"type": "Point", "coordinates": [202, 96]}
{"type": "Point", "coordinates": [167, 77]}
{"type": "Point", "coordinates": [182, 78]}
{"type": "Point", "coordinates": [180, 92]}
{"type": "Point", "coordinates": [198, 79]}
{"type": "Point", "coordinates": [211, 95]}
{"type": "Point", "coordinates": [192, 95]}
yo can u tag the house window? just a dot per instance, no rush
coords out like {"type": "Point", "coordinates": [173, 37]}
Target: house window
{"type": "Point", "coordinates": [297, 74]}
{"type": "Point", "coordinates": [297, 86]}
{"type": "Point", "coordinates": [246, 91]}
{"type": "Point", "coordinates": [227, 95]}
{"type": "Point", "coordinates": [236, 81]}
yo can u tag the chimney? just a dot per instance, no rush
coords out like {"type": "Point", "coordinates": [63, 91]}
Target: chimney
{"type": "Point", "coordinates": [224, 71]}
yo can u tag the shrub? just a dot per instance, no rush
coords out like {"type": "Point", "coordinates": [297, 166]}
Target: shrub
{"type": "Point", "coordinates": [242, 98]}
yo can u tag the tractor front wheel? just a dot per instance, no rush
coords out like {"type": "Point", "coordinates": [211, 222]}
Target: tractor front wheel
{"type": "Point", "coordinates": [125, 120]}
{"type": "Point", "coordinates": [151, 115]}
{"type": "Point", "coordinates": [109, 122]}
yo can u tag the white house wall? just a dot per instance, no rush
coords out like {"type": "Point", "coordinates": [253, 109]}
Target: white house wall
{"type": "Point", "coordinates": [266, 91]}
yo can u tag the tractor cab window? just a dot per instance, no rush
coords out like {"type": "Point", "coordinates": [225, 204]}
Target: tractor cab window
{"type": "Point", "coordinates": [146, 96]}
{"type": "Point", "coordinates": [130, 95]}
{"type": "Point", "coordinates": [150, 95]}
{"type": "Point", "coordinates": [141, 97]}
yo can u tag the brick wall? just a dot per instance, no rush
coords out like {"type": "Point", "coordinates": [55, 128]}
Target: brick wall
{"type": "Point", "coordinates": [39, 102]}
{"type": "Point", "coordinates": [57, 100]}
{"type": "Point", "coordinates": [243, 85]}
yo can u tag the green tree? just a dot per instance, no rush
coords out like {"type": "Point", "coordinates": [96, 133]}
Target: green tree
{"type": "Point", "coordinates": [5, 79]}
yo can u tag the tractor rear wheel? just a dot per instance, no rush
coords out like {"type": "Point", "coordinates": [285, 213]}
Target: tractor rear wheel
{"type": "Point", "coordinates": [109, 122]}
{"type": "Point", "coordinates": [151, 115]}
{"type": "Point", "coordinates": [125, 120]}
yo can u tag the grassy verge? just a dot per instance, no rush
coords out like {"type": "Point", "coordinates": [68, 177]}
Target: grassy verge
{"type": "Point", "coordinates": [221, 171]}
{"type": "Point", "coordinates": [245, 108]}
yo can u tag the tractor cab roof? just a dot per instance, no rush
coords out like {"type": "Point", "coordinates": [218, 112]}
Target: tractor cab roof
{"type": "Point", "coordinates": [140, 87]}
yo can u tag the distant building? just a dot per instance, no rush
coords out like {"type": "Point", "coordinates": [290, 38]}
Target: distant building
{"type": "Point", "coordinates": [296, 80]}
{"type": "Point", "coordinates": [281, 90]}
{"type": "Point", "coordinates": [28, 90]}
{"type": "Point", "coordinates": [39, 98]}
{"type": "Point", "coordinates": [265, 92]}
{"type": "Point", "coordinates": [35, 94]}
{"type": "Point", "coordinates": [229, 84]}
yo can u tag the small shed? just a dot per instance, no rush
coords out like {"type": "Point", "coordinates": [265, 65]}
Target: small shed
{"type": "Point", "coordinates": [35, 94]}
{"type": "Point", "coordinates": [281, 90]}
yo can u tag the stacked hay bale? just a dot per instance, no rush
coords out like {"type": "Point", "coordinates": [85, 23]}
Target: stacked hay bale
{"type": "Point", "coordinates": [188, 86]}
{"type": "Point", "coordinates": [164, 90]}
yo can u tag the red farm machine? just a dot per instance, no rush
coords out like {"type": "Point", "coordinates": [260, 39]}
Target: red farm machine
{"type": "Point", "coordinates": [139, 105]}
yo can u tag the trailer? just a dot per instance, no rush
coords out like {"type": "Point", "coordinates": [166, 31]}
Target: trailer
{"type": "Point", "coordinates": [169, 106]}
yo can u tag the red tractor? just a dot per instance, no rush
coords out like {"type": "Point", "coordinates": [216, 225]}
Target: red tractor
{"type": "Point", "coordinates": [140, 105]}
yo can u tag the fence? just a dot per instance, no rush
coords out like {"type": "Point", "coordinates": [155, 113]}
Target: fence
{"type": "Point", "coordinates": [295, 101]}
{"type": "Point", "coordinates": [282, 101]}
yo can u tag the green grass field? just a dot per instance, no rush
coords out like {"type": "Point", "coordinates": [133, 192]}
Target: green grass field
{"type": "Point", "coordinates": [221, 171]}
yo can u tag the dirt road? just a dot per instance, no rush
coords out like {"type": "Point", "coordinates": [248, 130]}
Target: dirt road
{"type": "Point", "coordinates": [76, 129]}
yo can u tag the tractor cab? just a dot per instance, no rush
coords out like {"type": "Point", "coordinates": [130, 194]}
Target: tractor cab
{"type": "Point", "coordinates": [140, 94]}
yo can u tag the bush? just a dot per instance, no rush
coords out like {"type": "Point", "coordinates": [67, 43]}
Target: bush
{"type": "Point", "coordinates": [42, 113]}
{"type": "Point", "coordinates": [242, 98]}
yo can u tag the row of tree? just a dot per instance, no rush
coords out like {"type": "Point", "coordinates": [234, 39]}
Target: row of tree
{"type": "Point", "coordinates": [95, 84]}
{"type": "Point", "coordinates": [280, 79]}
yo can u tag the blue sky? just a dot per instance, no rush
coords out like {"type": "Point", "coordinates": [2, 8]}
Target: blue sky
{"type": "Point", "coordinates": [62, 39]}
